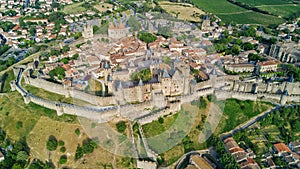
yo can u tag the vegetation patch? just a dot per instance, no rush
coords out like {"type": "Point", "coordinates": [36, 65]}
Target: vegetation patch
{"type": "Point", "coordinates": [182, 11]}
{"type": "Point", "coordinates": [237, 112]}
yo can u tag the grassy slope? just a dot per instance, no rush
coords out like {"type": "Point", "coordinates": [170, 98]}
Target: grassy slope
{"type": "Point", "coordinates": [237, 112]}
{"type": "Point", "coordinates": [38, 123]}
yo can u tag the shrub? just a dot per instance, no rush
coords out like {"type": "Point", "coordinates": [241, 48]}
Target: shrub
{"type": "Point", "coordinates": [62, 149]}
{"type": "Point", "coordinates": [63, 159]}
{"type": "Point", "coordinates": [77, 132]}
{"type": "Point", "coordinates": [121, 126]}
{"type": "Point", "coordinates": [79, 152]}
{"type": "Point", "coordinates": [61, 143]}
{"type": "Point", "coordinates": [160, 120]}
{"type": "Point", "coordinates": [52, 143]}
{"type": "Point", "coordinates": [146, 37]}
{"type": "Point", "coordinates": [19, 125]}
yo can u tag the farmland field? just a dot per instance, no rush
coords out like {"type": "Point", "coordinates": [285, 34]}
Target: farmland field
{"type": "Point", "coordinates": [283, 11]}
{"type": "Point", "coordinates": [229, 12]}
{"type": "Point", "coordinates": [282, 8]}
{"type": "Point", "coordinates": [264, 2]}
{"type": "Point", "coordinates": [185, 11]}
{"type": "Point", "coordinates": [74, 8]}
{"type": "Point", "coordinates": [250, 18]}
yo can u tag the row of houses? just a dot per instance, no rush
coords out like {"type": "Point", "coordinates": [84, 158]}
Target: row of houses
{"type": "Point", "coordinates": [244, 158]}
{"type": "Point", "coordinates": [263, 66]}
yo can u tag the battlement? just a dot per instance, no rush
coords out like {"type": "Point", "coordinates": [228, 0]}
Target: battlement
{"type": "Point", "coordinates": [143, 111]}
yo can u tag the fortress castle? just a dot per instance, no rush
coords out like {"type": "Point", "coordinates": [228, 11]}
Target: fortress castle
{"type": "Point", "coordinates": [166, 81]}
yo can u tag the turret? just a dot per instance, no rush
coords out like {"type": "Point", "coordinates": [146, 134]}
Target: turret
{"type": "Point", "coordinates": [140, 93]}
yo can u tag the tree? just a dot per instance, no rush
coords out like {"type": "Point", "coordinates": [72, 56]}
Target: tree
{"type": "Point", "coordinates": [57, 18]}
{"type": "Point", "coordinates": [134, 24]}
{"type": "Point", "coordinates": [161, 120]}
{"type": "Point", "coordinates": [51, 143]}
{"type": "Point", "coordinates": [75, 56]}
{"type": "Point", "coordinates": [165, 31]}
{"type": "Point", "coordinates": [32, 30]}
{"type": "Point", "coordinates": [235, 49]}
{"type": "Point", "coordinates": [65, 49]}
{"type": "Point", "coordinates": [225, 33]}
{"type": "Point", "coordinates": [63, 159]}
{"type": "Point", "coordinates": [238, 41]}
{"type": "Point", "coordinates": [58, 71]}
{"type": "Point", "coordinates": [144, 74]}
{"type": "Point", "coordinates": [146, 37]}
{"type": "Point", "coordinates": [77, 132]}
{"type": "Point", "coordinates": [255, 57]}
{"type": "Point", "coordinates": [79, 152]}
{"type": "Point", "coordinates": [65, 60]}
{"type": "Point", "coordinates": [22, 156]}
{"type": "Point", "coordinates": [121, 126]}
{"type": "Point", "coordinates": [247, 46]}
{"type": "Point", "coordinates": [19, 125]}
{"type": "Point", "coordinates": [62, 149]}
{"type": "Point", "coordinates": [61, 143]}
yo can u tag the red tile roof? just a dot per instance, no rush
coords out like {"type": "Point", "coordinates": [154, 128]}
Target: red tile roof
{"type": "Point", "coordinates": [281, 147]}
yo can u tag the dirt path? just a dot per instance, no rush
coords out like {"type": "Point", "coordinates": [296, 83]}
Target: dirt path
{"type": "Point", "coordinates": [276, 5]}
{"type": "Point", "coordinates": [232, 13]}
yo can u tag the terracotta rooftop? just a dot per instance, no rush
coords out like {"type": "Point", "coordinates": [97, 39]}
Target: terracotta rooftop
{"type": "Point", "coordinates": [281, 147]}
{"type": "Point", "coordinates": [268, 63]}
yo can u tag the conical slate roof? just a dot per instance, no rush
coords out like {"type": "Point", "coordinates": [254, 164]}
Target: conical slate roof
{"type": "Point", "coordinates": [131, 64]}
{"type": "Point", "coordinates": [177, 59]}
{"type": "Point", "coordinates": [120, 85]}
{"type": "Point", "coordinates": [141, 83]}
{"type": "Point", "coordinates": [165, 74]}
{"type": "Point", "coordinates": [106, 65]}
{"type": "Point", "coordinates": [214, 72]}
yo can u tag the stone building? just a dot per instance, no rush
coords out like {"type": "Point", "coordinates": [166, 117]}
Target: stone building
{"type": "Point", "coordinates": [286, 52]}
{"type": "Point", "coordinates": [239, 68]}
{"type": "Point", "coordinates": [117, 31]}
{"type": "Point", "coordinates": [87, 32]}
{"type": "Point", "coordinates": [268, 66]}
